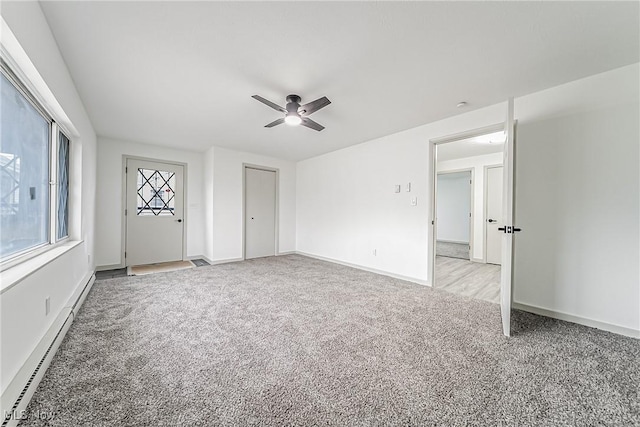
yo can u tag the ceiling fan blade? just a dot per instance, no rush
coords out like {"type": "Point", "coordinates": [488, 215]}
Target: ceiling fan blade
{"type": "Point", "coordinates": [275, 123]}
{"type": "Point", "coordinates": [269, 103]}
{"type": "Point", "coordinates": [307, 122]}
{"type": "Point", "coordinates": [314, 106]}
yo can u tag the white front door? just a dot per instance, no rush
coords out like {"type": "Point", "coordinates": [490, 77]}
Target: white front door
{"type": "Point", "coordinates": [507, 221]}
{"type": "Point", "coordinates": [154, 212]}
{"type": "Point", "coordinates": [260, 213]}
{"type": "Point", "coordinates": [494, 214]}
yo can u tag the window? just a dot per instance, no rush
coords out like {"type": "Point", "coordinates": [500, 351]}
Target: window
{"type": "Point", "coordinates": [63, 186]}
{"type": "Point", "coordinates": [34, 173]}
{"type": "Point", "coordinates": [156, 192]}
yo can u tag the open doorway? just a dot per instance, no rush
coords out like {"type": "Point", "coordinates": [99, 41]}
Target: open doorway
{"type": "Point", "coordinates": [454, 204]}
{"type": "Point", "coordinates": [468, 210]}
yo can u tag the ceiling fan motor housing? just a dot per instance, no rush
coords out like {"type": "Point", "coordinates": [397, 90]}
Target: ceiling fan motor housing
{"type": "Point", "coordinates": [293, 104]}
{"type": "Point", "coordinates": [294, 99]}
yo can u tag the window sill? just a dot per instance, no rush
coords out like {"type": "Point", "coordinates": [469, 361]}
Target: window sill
{"type": "Point", "coordinates": [15, 274]}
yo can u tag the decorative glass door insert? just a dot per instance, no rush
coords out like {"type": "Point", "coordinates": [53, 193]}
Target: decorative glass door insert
{"type": "Point", "coordinates": [156, 192]}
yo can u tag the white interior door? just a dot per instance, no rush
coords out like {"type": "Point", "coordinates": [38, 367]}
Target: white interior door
{"type": "Point", "coordinates": [154, 212]}
{"type": "Point", "coordinates": [494, 178]}
{"type": "Point", "coordinates": [507, 221]}
{"type": "Point", "coordinates": [260, 213]}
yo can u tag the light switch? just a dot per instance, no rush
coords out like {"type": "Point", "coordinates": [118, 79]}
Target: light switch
{"type": "Point", "coordinates": [408, 187]}
{"type": "Point", "coordinates": [398, 188]}
{"type": "Point", "coordinates": [414, 201]}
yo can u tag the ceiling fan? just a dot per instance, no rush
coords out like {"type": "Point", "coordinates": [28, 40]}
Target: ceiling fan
{"type": "Point", "coordinates": [296, 114]}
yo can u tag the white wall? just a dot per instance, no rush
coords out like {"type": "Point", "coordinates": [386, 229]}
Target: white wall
{"type": "Point", "coordinates": [214, 194]}
{"type": "Point", "coordinates": [23, 319]}
{"type": "Point", "coordinates": [476, 163]}
{"type": "Point", "coordinates": [577, 199]}
{"type": "Point", "coordinates": [109, 201]}
{"type": "Point", "coordinates": [453, 207]}
{"type": "Point", "coordinates": [347, 207]}
{"type": "Point", "coordinates": [226, 240]}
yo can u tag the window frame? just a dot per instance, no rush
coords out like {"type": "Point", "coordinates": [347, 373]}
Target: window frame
{"type": "Point", "coordinates": [55, 129]}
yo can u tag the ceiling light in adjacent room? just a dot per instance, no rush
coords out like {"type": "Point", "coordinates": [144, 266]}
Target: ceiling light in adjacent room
{"type": "Point", "coordinates": [490, 138]}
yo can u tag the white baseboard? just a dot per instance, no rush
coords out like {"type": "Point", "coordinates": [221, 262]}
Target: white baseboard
{"type": "Point", "coordinates": [286, 253]}
{"type": "Point", "coordinates": [119, 266]}
{"type": "Point", "coordinates": [109, 267]}
{"type": "Point", "coordinates": [616, 329]}
{"type": "Point", "coordinates": [369, 269]}
{"type": "Point", "coordinates": [479, 260]}
{"type": "Point", "coordinates": [34, 368]}
{"type": "Point", "coordinates": [212, 262]}
{"type": "Point", "coordinates": [225, 261]}
{"type": "Point", "coordinates": [228, 260]}
{"type": "Point", "coordinates": [457, 242]}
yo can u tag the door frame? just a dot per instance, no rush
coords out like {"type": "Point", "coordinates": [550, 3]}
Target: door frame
{"type": "Point", "coordinates": [484, 211]}
{"type": "Point", "coordinates": [431, 244]}
{"type": "Point", "coordinates": [471, 205]}
{"type": "Point", "coordinates": [123, 207]}
{"type": "Point", "coordinates": [246, 166]}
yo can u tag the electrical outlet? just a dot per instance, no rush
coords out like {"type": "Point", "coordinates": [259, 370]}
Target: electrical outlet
{"type": "Point", "coordinates": [414, 201]}
{"type": "Point", "coordinates": [375, 252]}
{"type": "Point", "coordinates": [47, 306]}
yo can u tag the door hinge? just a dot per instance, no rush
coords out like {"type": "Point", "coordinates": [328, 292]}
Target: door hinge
{"type": "Point", "coordinates": [125, 254]}
{"type": "Point", "coordinates": [125, 212]}
{"type": "Point", "coordinates": [126, 169]}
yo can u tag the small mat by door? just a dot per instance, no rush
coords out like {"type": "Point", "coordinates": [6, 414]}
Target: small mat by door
{"type": "Point", "coordinates": [163, 267]}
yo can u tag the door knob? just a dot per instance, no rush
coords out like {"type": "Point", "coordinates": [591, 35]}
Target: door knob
{"type": "Point", "coordinates": [492, 220]}
{"type": "Point", "coordinates": [179, 220]}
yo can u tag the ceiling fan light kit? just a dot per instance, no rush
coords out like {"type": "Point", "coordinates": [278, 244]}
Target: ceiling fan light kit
{"type": "Point", "coordinates": [294, 113]}
{"type": "Point", "coordinates": [293, 119]}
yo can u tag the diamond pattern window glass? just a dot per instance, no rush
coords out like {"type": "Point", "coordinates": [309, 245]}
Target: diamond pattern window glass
{"type": "Point", "coordinates": [156, 192]}
{"type": "Point", "coordinates": [63, 186]}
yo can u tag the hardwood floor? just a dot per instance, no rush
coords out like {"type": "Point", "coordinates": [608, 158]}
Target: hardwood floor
{"type": "Point", "coordinates": [452, 250]}
{"type": "Point", "coordinates": [472, 279]}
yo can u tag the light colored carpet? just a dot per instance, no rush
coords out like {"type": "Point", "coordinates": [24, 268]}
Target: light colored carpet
{"type": "Point", "coordinates": [163, 267]}
{"type": "Point", "coordinates": [295, 341]}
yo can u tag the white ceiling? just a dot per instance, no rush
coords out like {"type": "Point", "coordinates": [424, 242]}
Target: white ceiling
{"type": "Point", "coordinates": [471, 147]}
{"type": "Point", "coordinates": [181, 74]}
